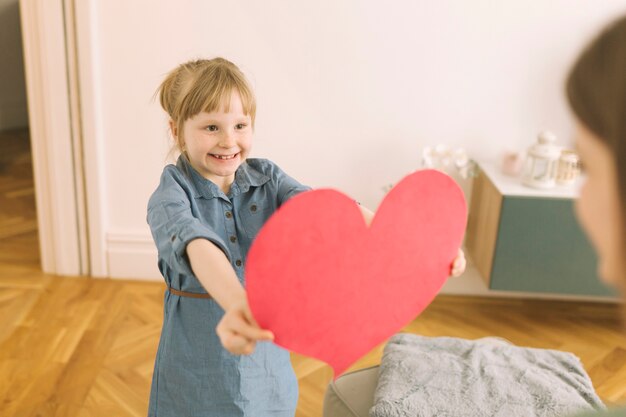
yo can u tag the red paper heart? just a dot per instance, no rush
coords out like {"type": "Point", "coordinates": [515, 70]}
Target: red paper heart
{"type": "Point", "coordinates": [331, 288]}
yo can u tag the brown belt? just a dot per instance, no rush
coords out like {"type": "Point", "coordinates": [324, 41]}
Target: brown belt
{"type": "Point", "coordinates": [188, 294]}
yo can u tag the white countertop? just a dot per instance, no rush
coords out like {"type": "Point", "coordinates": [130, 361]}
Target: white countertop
{"type": "Point", "coordinates": [512, 186]}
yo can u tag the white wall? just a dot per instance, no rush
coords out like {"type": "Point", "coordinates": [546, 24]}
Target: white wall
{"type": "Point", "coordinates": [348, 92]}
{"type": "Point", "coordinates": [13, 112]}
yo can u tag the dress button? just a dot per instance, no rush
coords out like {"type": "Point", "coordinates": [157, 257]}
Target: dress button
{"type": "Point", "coordinates": [233, 239]}
{"type": "Point", "coordinates": [229, 215]}
{"type": "Point", "coordinates": [253, 207]}
{"type": "Point", "coordinates": [238, 262]}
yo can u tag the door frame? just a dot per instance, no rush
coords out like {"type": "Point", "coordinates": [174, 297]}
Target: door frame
{"type": "Point", "coordinates": [59, 59]}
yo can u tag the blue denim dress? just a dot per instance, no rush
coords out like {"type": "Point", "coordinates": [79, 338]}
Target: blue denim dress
{"type": "Point", "coordinates": [194, 376]}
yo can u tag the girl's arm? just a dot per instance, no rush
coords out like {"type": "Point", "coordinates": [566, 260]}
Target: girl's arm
{"type": "Point", "coordinates": [238, 331]}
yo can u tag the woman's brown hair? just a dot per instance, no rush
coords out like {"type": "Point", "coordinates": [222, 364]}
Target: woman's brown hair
{"type": "Point", "coordinates": [596, 91]}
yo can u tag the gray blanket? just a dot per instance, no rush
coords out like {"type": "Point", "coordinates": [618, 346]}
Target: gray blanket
{"type": "Point", "coordinates": [450, 377]}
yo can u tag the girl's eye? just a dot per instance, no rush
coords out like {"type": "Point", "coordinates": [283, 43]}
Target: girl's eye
{"type": "Point", "coordinates": [241, 126]}
{"type": "Point", "coordinates": [211, 128]}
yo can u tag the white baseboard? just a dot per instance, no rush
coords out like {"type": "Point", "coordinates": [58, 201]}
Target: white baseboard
{"type": "Point", "coordinates": [13, 115]}
{"type": "Point", "coordinates": [132, 256]}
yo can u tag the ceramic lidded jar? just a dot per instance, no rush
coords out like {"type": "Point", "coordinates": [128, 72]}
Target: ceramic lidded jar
{"type": "Point", "coordinates": [541, 162]}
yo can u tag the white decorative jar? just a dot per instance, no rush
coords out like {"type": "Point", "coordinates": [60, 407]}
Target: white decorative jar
{"type": "Point", "coordinates": [541, 162]}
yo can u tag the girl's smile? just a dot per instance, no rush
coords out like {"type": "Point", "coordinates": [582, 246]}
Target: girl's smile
{"type": "Point", "coordinates": [224, 157]}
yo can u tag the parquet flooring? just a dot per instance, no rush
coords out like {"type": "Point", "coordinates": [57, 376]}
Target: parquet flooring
{"type": "Point", "coordinates": [76, 346]}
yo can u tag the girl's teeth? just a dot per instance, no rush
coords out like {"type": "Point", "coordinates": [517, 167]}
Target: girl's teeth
{"type": "Point", "coordinates": [224, 157]}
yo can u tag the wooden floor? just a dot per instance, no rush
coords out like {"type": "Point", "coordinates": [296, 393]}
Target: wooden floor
{"type": "Point", "coordinates": [85, 347]}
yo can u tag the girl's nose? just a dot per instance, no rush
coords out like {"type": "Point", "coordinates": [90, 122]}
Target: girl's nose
{"type": "Point", "coordinates": [228, 139]}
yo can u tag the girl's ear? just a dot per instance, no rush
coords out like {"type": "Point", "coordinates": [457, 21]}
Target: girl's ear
{"type": "Point", "coordinates": [177, 139]}
{"type": "Point", "coordinates": [173, 129]}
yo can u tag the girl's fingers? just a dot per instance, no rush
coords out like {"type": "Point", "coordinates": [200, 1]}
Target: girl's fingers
{"type": "Point", "coordinates": [238, 331]}
{"type": "Point", "coordinates": [458, 266]}
{"type": "Point", "coordinates": [246, 330]}
{"type": "Point", "coordinates": [266, 334]}
{"type": "Point", "coordinates": [238, 345]}
{"type": "Point", "coordinates": [248, 315]}
{"type": "Point", "coordinates": [232, 341]}
{"type": "Point", "coordinates": [458, 271]}
{"type": "Point", "coordinates": [237, 323]}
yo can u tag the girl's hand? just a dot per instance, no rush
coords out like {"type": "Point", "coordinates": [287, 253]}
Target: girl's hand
{"type": "Point", "coordinates": [458, 266]}
{"type": "Point", "coordinates": [239, 332]}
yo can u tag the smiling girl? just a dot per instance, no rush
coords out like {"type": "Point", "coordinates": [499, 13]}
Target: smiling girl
{"type": "Point", "coordinates": [213, 359]}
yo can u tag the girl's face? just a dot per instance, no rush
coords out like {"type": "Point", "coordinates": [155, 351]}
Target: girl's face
{"type": "Point", "coordinates": [598, 207]}
{"type": "Point", "coordinates": [218, 142]}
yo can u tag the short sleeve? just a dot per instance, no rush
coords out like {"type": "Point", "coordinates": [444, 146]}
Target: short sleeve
{"type": "Point", "coordinates": [173, 226]}
{"type": "Point", "coordinates": [286, 185]}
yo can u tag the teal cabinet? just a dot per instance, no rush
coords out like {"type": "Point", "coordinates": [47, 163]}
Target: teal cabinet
{"type": "Point", "coordinates": [529, 240]}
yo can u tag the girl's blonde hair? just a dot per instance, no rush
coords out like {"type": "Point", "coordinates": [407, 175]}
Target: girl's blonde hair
{"type": "Point", "coordinates": [203, 85]}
